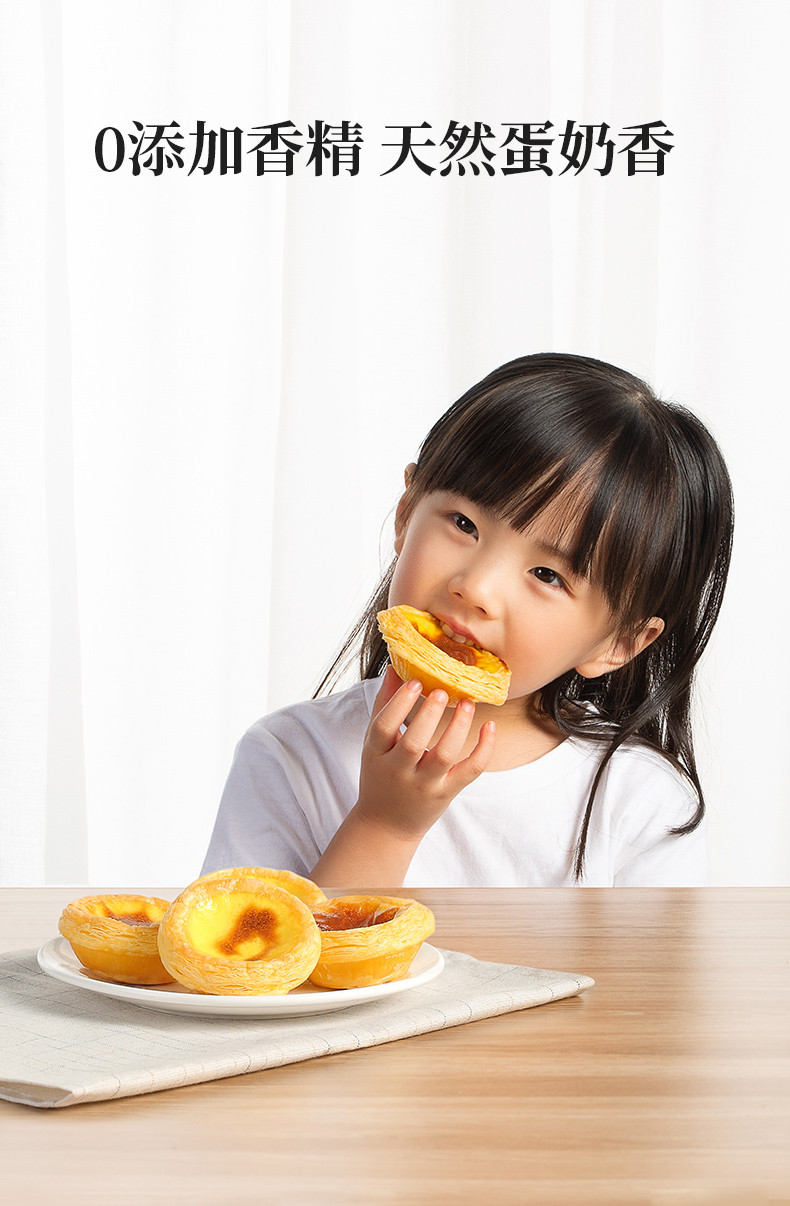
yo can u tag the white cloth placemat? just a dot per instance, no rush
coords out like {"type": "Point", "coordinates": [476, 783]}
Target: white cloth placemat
{"type": "Point", "coordinates": [61, 1045]}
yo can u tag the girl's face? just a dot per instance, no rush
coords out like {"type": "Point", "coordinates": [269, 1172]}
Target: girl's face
{"type": "Point", "coordinates": [512, 592]}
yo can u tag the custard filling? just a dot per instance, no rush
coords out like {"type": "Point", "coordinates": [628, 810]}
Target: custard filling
{"type": "Point", "coordinates": [234, 927]}
{"type": "Point", "coordinates": [350, 917]}
{"type": "Point", "coordinates": [129, 911]}
{"type": "Point", "coordinates": [437, 634]}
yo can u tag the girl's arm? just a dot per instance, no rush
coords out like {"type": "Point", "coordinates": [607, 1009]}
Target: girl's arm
{"type": "Point", "coordinates": [404, 786]}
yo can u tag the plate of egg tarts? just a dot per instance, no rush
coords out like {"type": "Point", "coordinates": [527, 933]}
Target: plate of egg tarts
{"type": "Point", "coordinates": [250, 942]}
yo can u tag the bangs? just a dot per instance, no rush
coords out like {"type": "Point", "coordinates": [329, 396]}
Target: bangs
{"type": "Point", "coordinates": [594, 474]}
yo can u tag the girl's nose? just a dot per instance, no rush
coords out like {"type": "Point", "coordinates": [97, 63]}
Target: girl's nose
{"type": "Point", "coordinates": [477, 585]}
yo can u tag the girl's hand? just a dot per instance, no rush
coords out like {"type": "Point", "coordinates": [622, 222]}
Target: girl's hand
{"type": "Point", "coordinates": [405, 786]}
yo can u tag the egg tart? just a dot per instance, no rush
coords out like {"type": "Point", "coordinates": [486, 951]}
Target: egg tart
{"type": "Point", "coordinates": [368, 939]}
{"type": "Point", "coordinates": [238, 936]}
{"type": "Point", "coordinates": [304, 889]}
{"type": "Point", "coordinates": [117, 936]}
{"type": "Point", "coordinates": [419, 647]}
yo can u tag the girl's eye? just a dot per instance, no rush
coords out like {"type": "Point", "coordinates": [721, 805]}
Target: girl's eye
{"type": "Point", "coordinates": [464, 524]}
{"type": "Point", "coordinates": [548, 576]}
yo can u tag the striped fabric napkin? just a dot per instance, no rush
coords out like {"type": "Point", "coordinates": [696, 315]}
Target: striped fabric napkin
{"type": "Point", "coordinates": [61, 1045]}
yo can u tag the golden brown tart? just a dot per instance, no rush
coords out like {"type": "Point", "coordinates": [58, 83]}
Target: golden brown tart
{"type": "Point", "coordinates": [117, 936]}
{"type": "Point", "coordinates": [238, 936]}
{"type": "Point", "coordinates": [368, 939]}
{"type": "Point", "coordinates": [419, 648]}
{"type": "Point", "coordinates": [304, 889]}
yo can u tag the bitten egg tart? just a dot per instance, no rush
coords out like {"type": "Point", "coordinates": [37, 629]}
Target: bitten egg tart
{"type": "Point", "coordinates": [117, 936]}
{"type": "Point", "coordinates": [305, 889]}
{"type": "Point", "coordinates": [238, 936]}
{"type": "Point", "coordinates": [420, 648]}
{"type": "Point", "coordinates": [368, 939]}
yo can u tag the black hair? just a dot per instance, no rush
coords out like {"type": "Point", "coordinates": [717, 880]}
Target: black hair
{"type": "Point", "coordinates": [648, 505]}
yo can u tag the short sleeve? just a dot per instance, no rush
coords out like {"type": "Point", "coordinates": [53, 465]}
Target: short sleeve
{"type": "Point", "coordinates": [675, 860]}
{"type": "Point", "coordinates": [648, 799]}
{"type": "Point", "coordinates": [260, 821]}
{"type": "Point", "coordinates": [293, 780]}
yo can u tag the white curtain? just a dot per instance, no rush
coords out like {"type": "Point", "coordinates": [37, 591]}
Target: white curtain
{"type": "Point", "coordinates": [210, 384]}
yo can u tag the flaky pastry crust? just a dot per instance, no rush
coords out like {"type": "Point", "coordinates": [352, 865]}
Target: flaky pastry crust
{"type": "Point", "coordinates": [410, 635]}
{"type": "Point", "coordinates": [116, 936]}
{"type": "Point", "coordinates": [308, 892]}
{"type": "Point", "coordinates": [238, 936]}
{"type": "Point", "coordinates": [368, 939]}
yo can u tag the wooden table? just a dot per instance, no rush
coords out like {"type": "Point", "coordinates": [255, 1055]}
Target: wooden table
{"type": "Point", "coordinates": [668, 1083]}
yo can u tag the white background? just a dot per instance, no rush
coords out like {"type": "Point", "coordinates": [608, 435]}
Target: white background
{"type": "Point", "coordinates": [210, 385]}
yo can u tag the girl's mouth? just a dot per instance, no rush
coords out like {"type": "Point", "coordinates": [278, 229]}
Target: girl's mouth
{"type": "Point", "coordinates": [462, 638]}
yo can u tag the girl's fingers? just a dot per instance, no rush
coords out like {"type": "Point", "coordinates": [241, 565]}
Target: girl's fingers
{"type": "Point", "coordinates": [448, 748]}
{"type": "Point", "coordinates": [384, 728]}
{"type": "Point", "coordinates": [467, 771]}
{"type": "Point", "coordinates": [398, 700]}
{"type": "Point", "coordinates": [420, 732]}
{"type": "Point", "coordinates": [390, 685]}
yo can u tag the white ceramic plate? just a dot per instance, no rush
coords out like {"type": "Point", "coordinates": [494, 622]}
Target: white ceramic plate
{"type": "Point", "coordinates": [57, 959]}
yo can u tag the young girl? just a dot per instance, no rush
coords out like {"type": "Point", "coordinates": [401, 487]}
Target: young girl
{"type": "Point", "coordinates": [563, 517]}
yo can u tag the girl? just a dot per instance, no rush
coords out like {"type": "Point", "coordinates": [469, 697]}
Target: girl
{"type": "Point", "coordinates": [563, 517]}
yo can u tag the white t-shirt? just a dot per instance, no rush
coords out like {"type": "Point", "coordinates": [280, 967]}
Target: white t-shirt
{"type": "Point", "coordinates": [295, 777]}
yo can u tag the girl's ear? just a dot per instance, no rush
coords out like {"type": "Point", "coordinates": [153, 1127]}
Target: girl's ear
{"type": "Point", "coordinates": [402, 510]}
{"type": "Point", "coordinates": [624, 649]}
